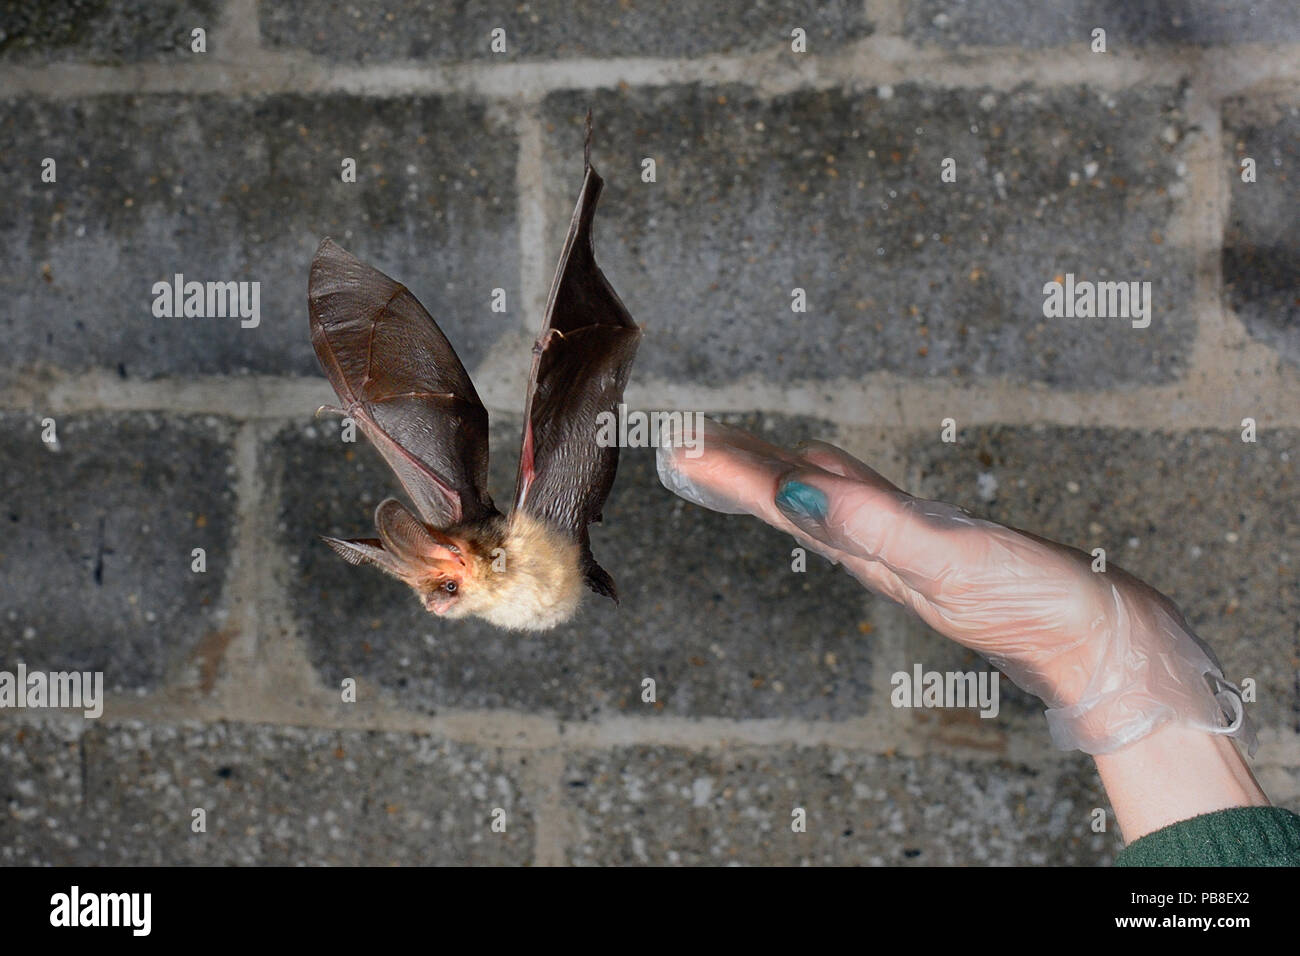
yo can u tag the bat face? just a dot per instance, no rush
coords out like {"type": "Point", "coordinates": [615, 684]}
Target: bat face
{"type": "Point", "coordinates": [436, 566]}
{"type": "Point", "coordinates": [517, 573]}
{"type": "Point", "coordinates": [398, 377]}
{"type": "Point", "coordinates": [447, 587]}
{"type": "Point", "coordinates": [444, 584]}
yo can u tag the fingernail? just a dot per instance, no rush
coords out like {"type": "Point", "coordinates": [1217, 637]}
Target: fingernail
{"type": "Point", "coordinates": [804, 501]}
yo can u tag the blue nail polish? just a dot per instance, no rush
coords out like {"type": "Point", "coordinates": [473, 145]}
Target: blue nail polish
{"type": "Point", "coordinates": [796, 498]}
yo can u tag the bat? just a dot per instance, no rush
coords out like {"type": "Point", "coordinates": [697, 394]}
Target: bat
{"type": "Point", "coordinates": [397, 376]}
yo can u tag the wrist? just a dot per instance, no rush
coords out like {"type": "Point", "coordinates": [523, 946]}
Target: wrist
{"type": "Point", "coordinates": [1136, 669]}
{"type": "Point", "coordinates": [1175, 773]}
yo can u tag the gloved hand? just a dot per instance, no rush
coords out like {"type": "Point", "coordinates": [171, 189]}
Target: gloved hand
{"type": "Point", "coordinates": [1111, 657]}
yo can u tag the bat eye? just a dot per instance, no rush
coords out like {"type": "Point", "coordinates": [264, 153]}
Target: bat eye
{"type": "Point", "coordinates": [450, 587]}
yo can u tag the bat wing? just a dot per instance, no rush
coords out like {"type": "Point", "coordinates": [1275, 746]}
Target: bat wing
{"type": "Point", "coordinates": [580, 367]}
{"type": "Point", "coordinates": [398, 377]}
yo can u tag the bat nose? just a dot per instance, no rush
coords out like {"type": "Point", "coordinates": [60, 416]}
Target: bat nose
{"type": "Point", "coordinates": [436, 603]}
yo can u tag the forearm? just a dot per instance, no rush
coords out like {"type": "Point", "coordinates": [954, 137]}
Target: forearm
{"type": "Point", "coordinates": [1174, 774]}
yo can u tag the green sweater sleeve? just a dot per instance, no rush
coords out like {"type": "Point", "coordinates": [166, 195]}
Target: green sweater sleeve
{"type": "Point", "coordinates": [1243, 836]}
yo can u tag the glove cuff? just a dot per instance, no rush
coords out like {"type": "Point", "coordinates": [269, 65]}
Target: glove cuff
{"type": "Point", "coordinates": [1106, 722]}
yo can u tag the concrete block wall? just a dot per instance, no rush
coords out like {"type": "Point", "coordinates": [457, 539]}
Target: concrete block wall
{"type": "Point", "coordinates": [774, 170]}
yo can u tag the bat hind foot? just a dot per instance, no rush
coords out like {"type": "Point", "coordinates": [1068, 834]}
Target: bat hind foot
{"type": "Point", "coordinates": [598, 580]}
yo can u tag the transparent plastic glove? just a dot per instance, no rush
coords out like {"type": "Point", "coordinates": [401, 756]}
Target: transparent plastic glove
{"type": "Point", "coordinates": [1111, 657]}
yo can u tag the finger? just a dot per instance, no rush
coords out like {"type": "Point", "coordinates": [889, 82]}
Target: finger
{"type": "Point", "coordinates": [837, 461]}
{"type": "Point", "coordinates": [873, 573]}
{"type": "Point", "coordinates": [918, 540]}
{"type": "Point", "coordinates": [734, 472]}
{"type": "Point", "coordinates": [725, 469]}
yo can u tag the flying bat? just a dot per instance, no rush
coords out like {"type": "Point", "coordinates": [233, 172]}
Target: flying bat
{"type": "Point", "coordinates": [400, 380]}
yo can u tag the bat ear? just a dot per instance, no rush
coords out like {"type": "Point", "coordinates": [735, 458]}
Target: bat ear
{"type": "Point", "coordinates": [365, 551]}
{"type": "Point", "coordinates": [409, 540]}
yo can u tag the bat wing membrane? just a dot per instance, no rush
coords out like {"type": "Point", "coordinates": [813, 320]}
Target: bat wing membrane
{"type": "Point", "coordinates": [580, 367]}
{"type": "Point", "coordinates": [398, 378]}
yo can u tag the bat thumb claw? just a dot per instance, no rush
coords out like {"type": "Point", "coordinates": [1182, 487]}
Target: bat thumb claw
{"type": "Point", "coordinates": [328, 408]}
